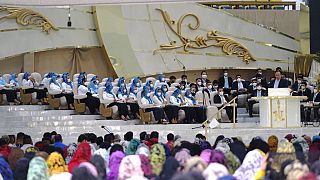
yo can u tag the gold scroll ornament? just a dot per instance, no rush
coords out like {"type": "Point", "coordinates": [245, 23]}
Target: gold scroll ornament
{"type": "Point", "coordinates": [28, 17]}
{"type": "Point", "coordinates": [279, 114]}
{"type": "Point", "coordinates": [229, 46]}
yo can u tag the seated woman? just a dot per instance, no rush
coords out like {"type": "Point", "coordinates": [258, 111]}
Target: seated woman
{"type": "Point", "coordinates": [56, 87]}
{"type": "Point", "coordinates": [172, 111]}
{"type": "Point", "coordinates": [150, 85]}
{"type": "Point", "coordinates": [132, 101]}
{"type": "Point", "coordinates": [91, 102]}
{"type": "Point", "coordinates": [30, 87]}
{"type": "Point", "coordinates": [121, 81]}
{"type": "Point", "coordinates": [94, 86]}
{"type": "Point", "coordinates": [149, 106]}
{"type": "Point", "coordinates": [11, 89]}
{"type": "Point", "coordinates": [114, 100]}
{"type": "Point", "coordinates": [199, 114]}
{"type": "Point", "coordinates": [67, 90]}
{"type": "Point", "coordinates": [136, 82]}
{"type": "Point", "coordinates": [161, 81]}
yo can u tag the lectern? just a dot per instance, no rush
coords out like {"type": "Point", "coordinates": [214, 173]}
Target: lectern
{"type": "Point", "coordinates": [279, 109]}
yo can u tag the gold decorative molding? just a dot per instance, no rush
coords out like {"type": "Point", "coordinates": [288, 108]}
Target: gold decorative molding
{"type": "Point", "coordinates": [228, 46]}
{"type": "Point", "coordinates": [28, 17]}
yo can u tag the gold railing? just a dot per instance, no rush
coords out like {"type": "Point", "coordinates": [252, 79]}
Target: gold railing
{"type": "Point", "coordinates": [233, 103]}
{"type": "Point", "coordinates": [257, 4]}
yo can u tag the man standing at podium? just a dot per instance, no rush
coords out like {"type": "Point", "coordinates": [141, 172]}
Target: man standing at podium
{"type": "Point", "coordinates": [278, 82]}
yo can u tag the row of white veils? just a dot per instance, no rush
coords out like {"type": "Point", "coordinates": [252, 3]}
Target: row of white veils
{"type": "Point", "coordinates": [86, 2]}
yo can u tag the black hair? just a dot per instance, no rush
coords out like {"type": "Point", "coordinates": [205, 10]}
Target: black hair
{"type": "Point", "coordinates": [47, 134]}
{"type": "Point", "coordinates": [172, 77]}
{"type": "Point", "coordinates": [116, 147]}
{"type": "Point", "coordinates": [109, 138]}
{"type": "Point", "coordinates": [92, 138]}
{"type": "Point", "coordinates": [143, 136]}
{"type": "Point", "coordinates": [105, 145]}
{"type": "Point", "coordinates": [154, 134]}
{"type": "Point", "coordinates": [128, 136]}
{"type": "Point", "coordinates": [170, 137]}
{"type": "Point", "coordinates": [58, 138]}
{"type": "Point", "coordinates": [27, 139]}
{"type": "Point", "coordinates": [203, 72]}
{"type": "Point", "coordinates": [82, 173]}
{"type": "Point", "coordinates": [99, 140]}
{"type": "Point", "coordinates": [20, 135]}
{"type": "Point", "coordinates": [100, 165]}
{"type": "Point", "coordinates": [82, 137]}
{"type": "Point", "coordinates": [184, 76]}
{"type": "Point", "coordinates": [53, 133]}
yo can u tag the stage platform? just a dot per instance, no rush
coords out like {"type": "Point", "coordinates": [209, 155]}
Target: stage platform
{"type": "Point", "coordinates": [37, 119]}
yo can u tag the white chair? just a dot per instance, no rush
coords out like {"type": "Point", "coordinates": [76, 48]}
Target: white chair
{"type": "Point", "coordinates": [151, 79]}
{"type": "Point", "coordinates": [6, 77]}
{"type": "Point", "coordinates": [89, 77]}
{"type": "Point", "coordinates": [204, 98]}
{"type": "Point", "coordinates": [20, 77]}
{"type": "Point", "coordinates": [146, 117]}
{"type": "Point", "coordinates": [105, 111]}
{"type": "Point", "coordinates": [37, 77]}
{"type": "Point", "coordinates": [115, 90]}
{"type": "Point", "coordinates": [75, 77]}
{"type": "Point", "coordinates": [79, 107]}
{"type": "Point", "coordinates": [242, 100]}
{"type": "Point", "coordinates": [55, 103]}
{"type": "Point", "coordinates": [175, 84]}
{"type": "Point", "coordinates": [25, 98]}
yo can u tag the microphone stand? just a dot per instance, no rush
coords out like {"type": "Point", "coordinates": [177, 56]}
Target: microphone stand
{"type": "Point", "coordinates": [106, 129]}
{"type": "Point", "coordinates": [183, 66]}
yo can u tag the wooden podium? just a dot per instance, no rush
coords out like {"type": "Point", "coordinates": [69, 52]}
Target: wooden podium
{"type": "Point", "coordinates": [282, 111]}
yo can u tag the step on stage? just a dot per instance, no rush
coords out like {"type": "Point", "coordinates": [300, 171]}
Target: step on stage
{"type": "Point", "coordinates": [34, 120]}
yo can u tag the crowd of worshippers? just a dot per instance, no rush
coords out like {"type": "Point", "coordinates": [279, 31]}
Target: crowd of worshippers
{"type": "Point", "coordinates": [110, 158]}
{"type": "Point", "coordinates": [165, 97]}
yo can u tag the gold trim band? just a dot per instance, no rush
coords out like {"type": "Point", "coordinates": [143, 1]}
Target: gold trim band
{"type": "Point", "coordinates": [36, 28]}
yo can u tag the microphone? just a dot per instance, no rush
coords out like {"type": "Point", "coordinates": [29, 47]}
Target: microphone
{"type": "Point", "coordinates": [106, 129]}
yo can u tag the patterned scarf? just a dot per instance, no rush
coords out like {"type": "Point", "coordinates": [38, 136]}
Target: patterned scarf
{"type": "Point", "coordinates": [132, 147]}
{"type": "Point", "coordinates": [56, 164]}
{"type": "Point", "coordinates": [82, 154]}
{"type": "Point", "coordinates": [5, 170]}
{"type": "Point", "coordinates": [130, 167]}
{"type": "Point", "coordinates": [38, 169]}
{"type": "Point", "coordinates": [157, 158]}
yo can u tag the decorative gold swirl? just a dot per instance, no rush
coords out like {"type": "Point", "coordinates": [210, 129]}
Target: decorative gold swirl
{"type": "Point", "coordinates": [26, 17]}
{"type": "Point", "coordinates": [229, 46]}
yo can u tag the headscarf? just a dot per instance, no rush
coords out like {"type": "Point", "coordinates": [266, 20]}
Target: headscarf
{"type": "Point", "coordinates": [13, 78]}
{"type": "Point", "coordinates": [26, 76]}
{"type": "Point", "coordinates": [214, 171]}
{"type": "Point", "coordinates": [21, 169]}
{"type": "Point", "coordinates": [14, 156]}
{"type": "Point", "coordinates": [121, 90]}
{"type": "Point", "coordinates": [115, 147]}
{"type": "Point", "coordinates": [303, 143]}
{"type": "Point", "coordinates": [182, 156]}
{"type": "Point", "coordinates": [144, 94]}
{"type": "Point", "coordinates": [232, 162]}
{"type": "Point", "coordinates": [160, 97]}
{"type": "Point", "coordinates": [120, 81]}
{"type": "Point", "coordinates": [205, 155]}
{"type": "Point", "coordinates": [146, 166]}
{"type": "Point", "coordinates": [160, 78]}
{"type": "Point", "coordinates": [195, 164]}
{"type": "Point", "coordinates": [163, 91]}
{"type": "Point", "coordinates": [285, 147]}
{"type": "Point", "coordinates": [130, 167]}
{"type": "Point", "coordinates": [93, 86]}
{"type": "Point", "coordinates": [148, 84]}
{"type": "Point", "coordinates": [259, 144]}
{"type": "Point", "coordinates": [223, 147]}
{"type": "Point", "coordinates": [143, 150]}
{"type": "Point", "coordinates": [188, 95]}
{"type": "Point", "coordinates": [5, 170]}
{"type": "Point", "coordinates": [90, 167]}
{"type": "Point", "coordinates": [5, 150]}
{"type": "Point", "coordinates": [170, 168]}
{"type": "Point", "coordinates": [109, 88]}
{"type": "Point", "coordinates": [54, 80]}
{"type": "Point", "coordinates": [273, 143]}
{"type": "Point", "coordinates": [295, 170]}
{"type": "Point", "coordinates": [38, 169]}
{"type": "Point", "coordinates": [114, 164]}
{"type": "Point", "coordinates": [82, 154]}
{"type": "Point", "coordinates": [176, 95]}
{"type": "Point", "coordinates": [132, 147]}
{"type": "Point", "coordinates": [65, 80]}
{"type": "Point", "coordinates": [238, 149]}
{"type": "Point", "coordinates": [251, 164]}
{"type": "Point", "coordinates": [217, 157]}
{"type": "Point", "coordinates": [157, 158]}
{"type": "Point", "coordinates": [71, 149]}
{"type": "Point", "coordinates": [56, 164]}
{"type": "Point", "coordinates": [80, 77]}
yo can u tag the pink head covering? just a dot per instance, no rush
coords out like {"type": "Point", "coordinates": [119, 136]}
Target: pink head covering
{"type": "Point", "coordinates": [206, 155]}
{"type": "Point", "coordinates": [182, 156]}
{"type": "Point", "coordinates": [130, 167]}
{"type": "Point", "coordinates": [90, 168]}
{"type": "Point", "coordinates": [214, 171]}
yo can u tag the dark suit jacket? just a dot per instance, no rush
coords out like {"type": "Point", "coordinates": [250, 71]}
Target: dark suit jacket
{"type": "Point", "coordinates": [217, 99]}
{"type": "Point", "coordinates": [263, 93]}
{"type": "Point", "coordinates": [221, 81]}
{"type": "Point", "coordinates": [317, 99]}
{"type": "Point", "coordinates": [282, 84]}
{"type": "Point", "coordinates": [307, 92]}
{"type": "Point", "coordinates": [235, 85]}
{"type": "Point", "coordinates": [295, 86]}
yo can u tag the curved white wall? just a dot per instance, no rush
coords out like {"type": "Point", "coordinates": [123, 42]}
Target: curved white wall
{"type": "Point", "coordinates": [22, 41]}
{"type": "Point", "coordinates": [131, 33]}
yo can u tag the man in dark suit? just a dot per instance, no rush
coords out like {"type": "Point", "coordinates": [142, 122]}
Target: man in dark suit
{"type": "Point", "coordinates": [226, 82]}
{"type": "Point", "coordinates": [304, 91]}
{"type": "Point", "coordinates": [315, 99]}
{"type": "Point", "coordinates": [278, 82]}
{"type": "Point", "coordinates": [239, 85]}
{"type": "Point", "coordinates": [222, 99]}
{"type": "Point", "coordinates": [258, 92]}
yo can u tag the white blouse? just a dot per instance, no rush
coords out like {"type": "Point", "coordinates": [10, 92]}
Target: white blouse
{"type": "Point", "coordinates": [82, 90]}
{"type": "Point", "coordinates": [157, 101]}
{"type": "Point", "coordinates": [132, 97]}
{"type": "Point", "coordinates": [27, 83]}
{"type": "Point", "coordinates": [175, 101]}
{"type": "Point", "coordinates": [109, 97]}
{"type": "Point", "coordinates": [122, 97]}
{"type": "Point", "coordinates": [66, 87]}
{"type": "Point", "coordinates": [55, 87]}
